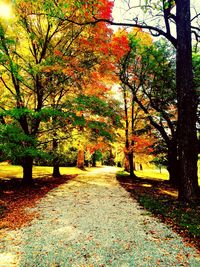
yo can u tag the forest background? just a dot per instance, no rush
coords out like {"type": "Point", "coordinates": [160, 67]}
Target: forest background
{"type": "Point", "coordinates": [60, 106]}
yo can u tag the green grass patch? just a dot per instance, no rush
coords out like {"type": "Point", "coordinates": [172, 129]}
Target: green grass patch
{"type": "Point", "coordinates": [122, 173]}
{"type": "Point", "coordinates": [187, 218]}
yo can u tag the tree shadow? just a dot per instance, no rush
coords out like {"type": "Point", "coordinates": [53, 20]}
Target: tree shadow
{"type": "Point", "coordinates": [160, 198]}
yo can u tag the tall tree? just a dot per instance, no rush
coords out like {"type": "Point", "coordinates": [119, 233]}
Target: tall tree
{"type": "Point", "coordinates": [148, 71]}
{"type": "Point", "coordinates": [187, 105]}
{"type": "Point", "coordinates": [39, 54]}
{"type": "Point", "coordinates": [187, 98]}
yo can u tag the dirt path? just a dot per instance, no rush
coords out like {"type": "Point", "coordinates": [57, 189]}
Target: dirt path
{"type": "Point", "coordinates": [91, 221]}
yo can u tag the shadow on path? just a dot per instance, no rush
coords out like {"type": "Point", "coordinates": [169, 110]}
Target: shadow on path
{"type": "Point", "coordinates": [160, 198]}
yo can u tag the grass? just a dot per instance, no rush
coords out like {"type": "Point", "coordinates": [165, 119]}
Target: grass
{"type": "Point", "coordinates": [153, 174]}
{"type": "Point", "coordinates": [12, 171]}
{"type": "Point", "coordinates": [157, 196]}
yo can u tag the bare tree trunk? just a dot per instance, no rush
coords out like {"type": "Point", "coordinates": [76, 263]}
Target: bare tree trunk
{"type": "Point", "coordinates": [173, 164]}
{"type": "Point", "coordinates": [126, 162]}
{"type": "Point", "coordinates": [80, 158]}
{"type": "Point", "coordinates": [187, 105]}
{"type": "Point", "coordinates": [56, 165]}
{"type": "Point", "coordinates": [129, 165]}
{"type": "Point", "coordinates": [93, 159]}
{"type": "Point", "coordinates": [27, 166]}
{"type": "Point", "coordinates": [131, 155]}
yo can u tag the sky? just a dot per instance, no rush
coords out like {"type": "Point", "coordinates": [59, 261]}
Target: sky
{"type": "Point", "coordinates": [121, 14]}
{"type": "Point", "coordinates": [121, 7]}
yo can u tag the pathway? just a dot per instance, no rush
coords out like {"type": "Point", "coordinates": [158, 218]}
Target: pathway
{"type": "Point", "coordinates": [92, 221]}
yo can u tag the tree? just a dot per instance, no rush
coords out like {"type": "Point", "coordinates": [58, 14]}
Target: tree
{"type": "Point", "coordinates": [101, 119]}
{"type": "Point", "coordinates": [187, 105]}
{"type": "Point", "coordinates": [186, 94]}
{"type": "Point", "coordinates": [42, 56]}
{"type": "Point", "coordinates": [147, 71]}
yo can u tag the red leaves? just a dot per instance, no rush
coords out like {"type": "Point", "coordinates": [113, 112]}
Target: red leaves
{"type": "Point", "coordinates": [120, 45]}
{"type": "Point", "coordinates": [105, 9]}
{"type": "Point", "coordinates": [142, 144]}
{"type": "Point", "coordinates": [98, 146]}
{"type": "Point", "coordinates": [58, 53]}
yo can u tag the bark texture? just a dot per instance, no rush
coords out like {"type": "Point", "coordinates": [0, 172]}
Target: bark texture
{"type": "Point", "coordinates": [56, 167]}
{"type": "Point", "coordinates": [187, 105]}
{"type": "Point", "coordinates": [27, 166]}
{"type": "Point", "coordinates": [80, 159]}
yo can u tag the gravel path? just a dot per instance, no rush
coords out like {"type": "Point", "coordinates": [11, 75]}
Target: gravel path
{"type": "Point", "coordinates": [91, 221]}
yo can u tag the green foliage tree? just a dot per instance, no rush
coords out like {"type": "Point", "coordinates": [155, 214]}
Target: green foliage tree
{"type": "Point", "coordinates": [44, 59]}
{"type": "Point", "coordinates": [148, 72]}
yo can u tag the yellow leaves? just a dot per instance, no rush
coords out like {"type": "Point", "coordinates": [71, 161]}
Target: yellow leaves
{"type": "Point", "coordinates": [143, 37]}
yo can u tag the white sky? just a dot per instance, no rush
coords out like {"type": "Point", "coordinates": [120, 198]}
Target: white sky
{"type": "Point", "coordinates": [120, 12]}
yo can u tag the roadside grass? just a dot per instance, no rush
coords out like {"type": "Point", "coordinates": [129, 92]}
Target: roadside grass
{"type": "Point", "coordinates": [12, 171]}
{"type": "Point", "coordinates": [15, 197]}
{"type": "Point", "coordinates": [159, 198]}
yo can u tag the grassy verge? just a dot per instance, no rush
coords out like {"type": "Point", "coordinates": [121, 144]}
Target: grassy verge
{"type": "Point", "coordinates": [12, 171]}
{"type": "Point", "coordinates": [159, 198]}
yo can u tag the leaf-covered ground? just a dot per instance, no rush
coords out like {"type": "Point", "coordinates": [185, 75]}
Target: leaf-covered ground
{"type": "Point", "coordinates": [160, 198]}
{"type": "Point", "coordinates": [15, 198]}
{"type": "Point", "coordinates": [91, 220]}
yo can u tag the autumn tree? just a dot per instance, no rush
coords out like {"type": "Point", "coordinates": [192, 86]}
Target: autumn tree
{"type": "Point", "coordinates": [25, 58]}
{"type": "Point", "coordinates": [186, 93]}
{"type": "Point", "coordinates": [147, 71]}
{"type": "Point", "coordinates": [41, 57]}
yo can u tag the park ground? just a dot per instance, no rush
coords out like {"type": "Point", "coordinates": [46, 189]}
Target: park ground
{"type": "Point", "coordinates": [93, 218]}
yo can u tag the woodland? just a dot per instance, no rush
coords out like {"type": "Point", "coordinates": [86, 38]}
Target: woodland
{"type": "Point", "coordinates": [76, 91]}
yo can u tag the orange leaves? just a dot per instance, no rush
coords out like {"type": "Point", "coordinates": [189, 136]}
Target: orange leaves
{"type": "Point", "coordinates": [19, 198]}
{"type": "Point", "coordinates": [120, 45]}
{"type": "Point", "coordinates": [96, 146]}
{"type": "Point", "coordinates": [142, 144]}
{"type": "Point", "coordinates": [58, 53]}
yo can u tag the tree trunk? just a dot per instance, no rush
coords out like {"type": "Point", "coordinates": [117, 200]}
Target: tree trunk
{"type": "Point", "coordinates": [131, 155]}
{"type": "Point", "coordinates": [80, 159]}
{"type": "Point", "coordinates": [56, 167]}
{"type": "Point", "coordinates": [187, 105]}
{"type": "Point", "coordinates": [93, 159]}
{"type": "Point", "coordinates": [56, 171]}
{"type": "Point", "coordinates": [111, 159]}
{"type": "Point", "coordinates": [27, 170]}
{"type": "Point", "coordinates": [126, 162]}
{"type": "Point", "coordinates": [128, 165]}
{"type": "Point", "coordinates": [173, 165]}
{"type": "Point", "coordinates": [131, 165]}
